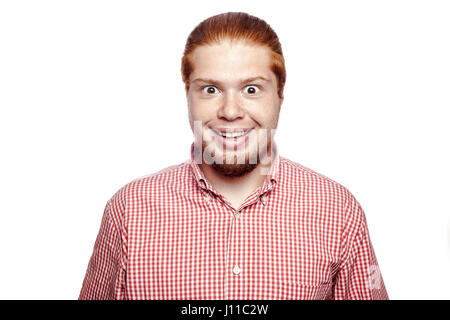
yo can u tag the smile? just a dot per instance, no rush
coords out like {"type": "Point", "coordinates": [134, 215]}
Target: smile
{"type": "Point", "coordinates": [232, 134]}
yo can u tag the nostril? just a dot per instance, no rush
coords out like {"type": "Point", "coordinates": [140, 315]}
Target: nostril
{"type": "Point", "coordinates": [231, 112]}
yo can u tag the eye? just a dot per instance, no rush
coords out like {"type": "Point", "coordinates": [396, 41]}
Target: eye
{"type": "Point", "coordinates": [210, 90]}
{"type": "Point", "coordinates": [251, 89]}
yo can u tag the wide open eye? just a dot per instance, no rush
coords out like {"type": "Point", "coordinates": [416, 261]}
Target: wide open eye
{"type": "Point", "coordinates": [251, 89]}
{"type": "Point", "coordinates": [210, 90]}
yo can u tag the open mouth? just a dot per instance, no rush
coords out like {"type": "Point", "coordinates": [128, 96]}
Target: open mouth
{"type": "Point", "coordinates": [232, 139]}
{"type": "Point", "coordinates": [232, 134]}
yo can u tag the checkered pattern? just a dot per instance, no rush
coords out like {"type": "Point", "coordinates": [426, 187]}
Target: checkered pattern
{"type": "Point", "coordinates": [171, 235]}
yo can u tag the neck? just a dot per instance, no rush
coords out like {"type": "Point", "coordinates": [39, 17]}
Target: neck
{"type": "Point", "coordinates": [237, 189]}
{"type": "Point", "coordinates": [242, 184]}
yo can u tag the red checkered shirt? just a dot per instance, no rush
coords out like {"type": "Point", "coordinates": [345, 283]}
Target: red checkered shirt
{"type": "Point", "coordinates": [171, 235]}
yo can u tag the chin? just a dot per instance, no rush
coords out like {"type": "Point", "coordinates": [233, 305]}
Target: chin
{"type": "Point", "coordinates": [216, 155]}
{"type": "Point", "coordinates": [233, 170]}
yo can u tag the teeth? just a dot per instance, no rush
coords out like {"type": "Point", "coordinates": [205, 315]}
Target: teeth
{"type": "Point", "coordinates": [231, 134]}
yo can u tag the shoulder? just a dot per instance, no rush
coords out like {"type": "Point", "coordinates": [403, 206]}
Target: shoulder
{"type": "Point", "coordinates": [176, 176]}
{"type": "Point", "coordinates": [298, 176]}
{"type": "Point", "coordinates": [319, 189]}
{"type": "Point", "coordinates": [173, 178]}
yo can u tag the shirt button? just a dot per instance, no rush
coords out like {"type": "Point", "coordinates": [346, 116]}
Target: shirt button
{"type": "Point", "coordinates": [237, 214]}
{"type": "Point", "coordinates": [236, 270]}
{"type": "Point", "coordinates": [264, 200]}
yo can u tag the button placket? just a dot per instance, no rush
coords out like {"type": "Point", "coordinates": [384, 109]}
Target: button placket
{"type": "Point", "coordinates": [232, 268]}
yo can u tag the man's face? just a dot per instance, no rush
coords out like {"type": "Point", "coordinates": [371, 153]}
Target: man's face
{"type": "Point", "coordinates": [233, 99]}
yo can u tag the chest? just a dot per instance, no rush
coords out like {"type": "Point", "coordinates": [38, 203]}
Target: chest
{"type": "Point", "coordinates": [190, 249]}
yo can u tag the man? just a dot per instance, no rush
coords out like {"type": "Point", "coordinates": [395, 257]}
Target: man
{"type": "Point", "coordinates": [236, 221]}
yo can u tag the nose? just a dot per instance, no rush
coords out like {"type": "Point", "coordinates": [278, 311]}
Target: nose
{"type": "Point", "coordinates": [231, 108]}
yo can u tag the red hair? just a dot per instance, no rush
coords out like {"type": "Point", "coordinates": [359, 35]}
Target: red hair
{"type": "Point", "coordinates": [239, 26]}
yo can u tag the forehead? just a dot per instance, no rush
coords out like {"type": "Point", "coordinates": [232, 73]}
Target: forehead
{"type": "Point", "coordinates": [226, 60]}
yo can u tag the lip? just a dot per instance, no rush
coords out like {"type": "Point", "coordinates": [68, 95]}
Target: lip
{"type": "Point", "coordinates": [231, 142]}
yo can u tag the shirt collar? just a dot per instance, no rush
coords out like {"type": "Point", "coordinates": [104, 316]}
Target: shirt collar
{"type": "Point", "coordinates": [271, 179]}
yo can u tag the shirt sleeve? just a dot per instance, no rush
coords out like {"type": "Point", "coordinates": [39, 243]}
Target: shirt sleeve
{"type": "Point", "coordinates": [104, 279]}
{"type": "Point", "coordinates": [359, 277]}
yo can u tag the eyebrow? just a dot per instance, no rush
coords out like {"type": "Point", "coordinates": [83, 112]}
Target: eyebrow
{"type": "Point", "coordinates": [215, 82]}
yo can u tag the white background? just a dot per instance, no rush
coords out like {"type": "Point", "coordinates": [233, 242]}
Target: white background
{"type": "Point", "coordinates": [91, 97]}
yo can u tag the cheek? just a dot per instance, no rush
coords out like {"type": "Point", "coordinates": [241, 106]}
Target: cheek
{"type": "Point", "coordinates": [266, 114]}
{"type": "Point", "coordinates": [201, 110]}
